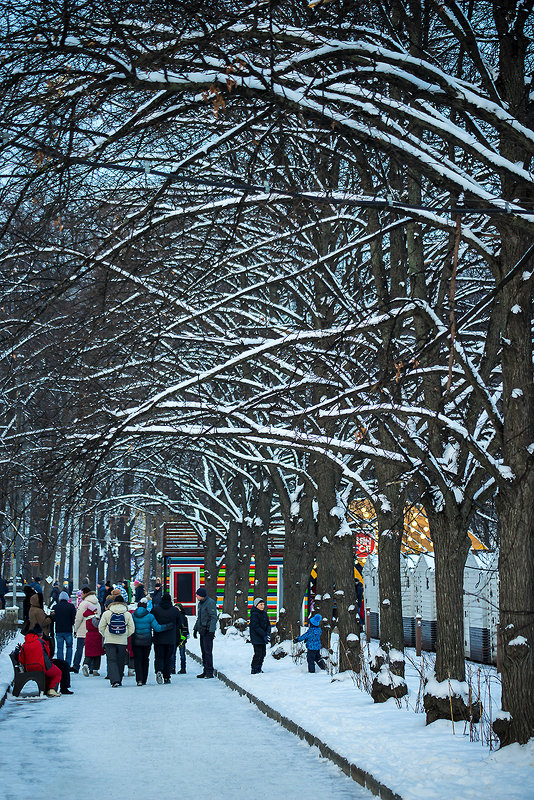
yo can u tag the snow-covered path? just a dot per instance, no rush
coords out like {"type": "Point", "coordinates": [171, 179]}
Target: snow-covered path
{"type": "Point", "coordinates": [192, 739]}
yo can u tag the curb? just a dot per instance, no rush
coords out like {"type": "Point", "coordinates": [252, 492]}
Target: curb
{"type": "Point", "coordinates": [353, 771]}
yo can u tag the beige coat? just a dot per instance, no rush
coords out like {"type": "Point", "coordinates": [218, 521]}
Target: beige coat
{"type": "Point", "coordinates": [119, 607]}
{"type": "Point", "coordinates": [80, 622]}
{"type": "Point", "coordinates": [37, 616]}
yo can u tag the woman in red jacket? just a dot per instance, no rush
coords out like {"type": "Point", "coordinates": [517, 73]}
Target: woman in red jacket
{"type": "Point", "coordinates": [93, 642]}
{"type": "Point", "coordinates": [35, 656]}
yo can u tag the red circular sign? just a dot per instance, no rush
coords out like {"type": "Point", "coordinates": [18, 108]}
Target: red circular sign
{"type": "Point", "coordinates": [365, 545]}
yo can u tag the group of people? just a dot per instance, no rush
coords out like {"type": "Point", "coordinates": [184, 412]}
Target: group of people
{"type": "Point", "coordinates": [111, 625]}
{"type": "Point", "coordinates": [123, 629]}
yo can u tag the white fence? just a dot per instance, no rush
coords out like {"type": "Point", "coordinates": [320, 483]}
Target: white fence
{"type": "Point", "coordinates": [418, 592]}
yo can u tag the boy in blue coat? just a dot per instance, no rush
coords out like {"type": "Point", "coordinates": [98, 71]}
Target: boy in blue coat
{"type": "Point", "coordinates": [312, 638]}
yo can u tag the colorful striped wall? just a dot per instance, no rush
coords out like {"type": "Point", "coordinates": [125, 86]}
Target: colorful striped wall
{"type": "Point", "coordinates": [198, 563]}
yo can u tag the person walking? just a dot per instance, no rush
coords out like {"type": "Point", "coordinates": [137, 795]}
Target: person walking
{"type": "Point", "coordinates": [116, 625]}
{"type": "Point", "coordinates": [205, 627]}
{"type": "Point", "coordinates": [260, 634]}
{"type": "Point", "coordinates": [3, 590]}
{"type": "Point", "coordinates": [165, 642]}
{"type": "Point", "coordinates": [145, 623]}
{"type": "Point", "coordinates": [80, 624]}
{"type": "Point", "coordinates": [93, 642]}
{"type": "Point", "coordinates": [157, 594]}
{"type": "Point", "coordinates": [312, 639]}
{"type": "Point", "coordinates": [139, 591]}
{"type": "Point", "coordinates": [64, 615]}
{"type": "Point", "coordinates": [54, 593]}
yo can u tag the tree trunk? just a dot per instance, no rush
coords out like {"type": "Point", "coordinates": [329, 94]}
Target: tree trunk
{"type": "Point", "coordinates": [85, 530]}
{"type": "Point", "coordinates": [516, 604]}
{"type": "Point", "coordinates": [211, 570]}
{"type": "Point", "coordinates": [230, 574]}
{"type": "Point", "coordinates": [262, 554]}
{"type": "Point", "coordinates": [243, 571]}
{"type": "Point", "coordinates": [451, 547]}
{"type": "Point", "coordinates": [148, 553]}
{"type": "Point", "coordinates": [390, 531]}
{"type": "Point", "coordinates": [348, 625]}
{"type": "Point", "coordinates": [299, 556]}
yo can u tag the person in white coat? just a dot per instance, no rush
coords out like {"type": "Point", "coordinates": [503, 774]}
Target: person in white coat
{"type": "Point", "coordinates": [80, 624]}
{"type": "Point", "coordinates": [116, 626]}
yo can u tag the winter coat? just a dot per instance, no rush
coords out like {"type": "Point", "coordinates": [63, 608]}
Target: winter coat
{"type": "Point", "coordinates": [32, 653]}
{"type": "Point", "coordinates": [54, 594]}
{"type": "Point", "coordinates": [37, 616]}
{"type": "Point", "coordinates": [139, 592]}
{"type": "Point", "coordinates": [260, 626]}
{"type": "Point", "coordinates": [64, 615]}
{"type": "Point", "coordinates": [312, 637]}
{"type": "Point", "coordinates": [93, 638]}
{"type": "Point", "coordinates": [80, 627]}
{"type": "Point", "coordinates": [182, 626]}
{"type": "Point", "coordinates": [156, 596]}
{"type": "Point", "coordinates": [36, 586]}
{"type": "Point", "coordinates": [101, 594]}
{"type": "Point", "coordinates": [3, 586]}
{"type": "Point", "coordinates": [166, 614]}
{"type": "Point", "coordinates": [206, 617]}
{"type": "Point", "coordinates": [117, 607]}
{"type": "Point", "coordinates": [145, 623]}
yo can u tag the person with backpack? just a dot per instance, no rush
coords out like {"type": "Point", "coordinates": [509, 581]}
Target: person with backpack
{"type": "Point", "coordinates": [145, 623]}
{"type": "Point", "coordinates": [165, 641]}
{"type": "Point", "coordinates": [116, 625]}
{"type": "Point", "coordinates": [260, 634]}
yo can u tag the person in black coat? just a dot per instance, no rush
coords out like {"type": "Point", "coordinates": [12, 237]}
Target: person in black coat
{"type": "Point", "coordinates": [64, 614]}
{"type": "Point", "coordinates": [165, 642]}
{"type": "Point", "coordinates": [29, 591]}
{"type": "Point", "coordinates": [260, 634]}
{"type": "Point", "coordinates": [157, 594]}
{"type": "Point", "coordinates": [139, 591]}
{"type": "Point", "coordinates": [54, 593]}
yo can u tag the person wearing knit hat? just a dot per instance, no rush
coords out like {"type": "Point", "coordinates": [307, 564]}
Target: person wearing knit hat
{"type": "Point", "coordinates": [260, 634]}
{"type": "Point", "coordinates": [64, 615]}
{"type": "Point", "coordinates": [205, 626]}
{"type": "Point", "coordinates": [312, 639]}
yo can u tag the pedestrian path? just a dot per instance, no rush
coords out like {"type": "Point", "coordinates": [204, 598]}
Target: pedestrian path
{"type": "Point", "coordinates": [192, 739]}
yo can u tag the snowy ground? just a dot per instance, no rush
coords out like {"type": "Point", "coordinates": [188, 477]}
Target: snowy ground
{"type": "Point", "coordinates": [391, 743]}
{"type": "Point", "coordinates": [193, 739]}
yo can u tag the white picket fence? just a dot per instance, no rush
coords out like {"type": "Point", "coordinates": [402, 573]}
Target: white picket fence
{"type": "Point", "coordinates": [418, 591]}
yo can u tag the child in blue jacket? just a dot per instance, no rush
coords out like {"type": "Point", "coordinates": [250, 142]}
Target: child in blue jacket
{"type": "Point", "coordinates": [312, 638]}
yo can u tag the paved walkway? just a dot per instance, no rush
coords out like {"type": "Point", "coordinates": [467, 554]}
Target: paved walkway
{"type": "Point", "coordinates": [192, 740]}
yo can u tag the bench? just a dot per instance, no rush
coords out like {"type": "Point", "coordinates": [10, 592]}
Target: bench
{"type": "Point", "coordinates": [22, 677]}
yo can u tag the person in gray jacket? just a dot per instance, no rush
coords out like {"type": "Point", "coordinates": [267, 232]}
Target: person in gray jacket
{"type": "Point", "coordinates": [205, 626]}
